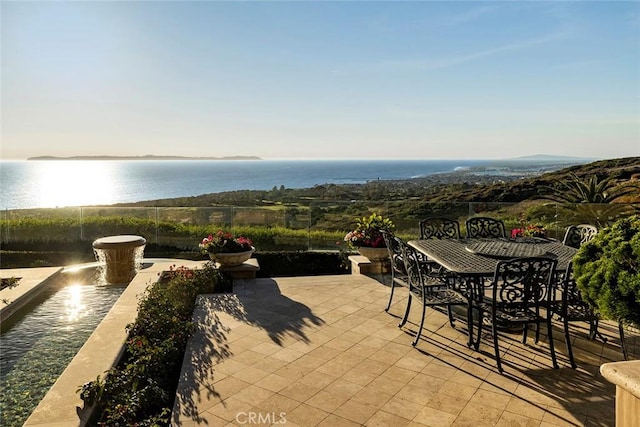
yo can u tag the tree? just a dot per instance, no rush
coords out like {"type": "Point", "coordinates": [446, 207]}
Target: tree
{"type": "Point", "coordinates": [607, 271]}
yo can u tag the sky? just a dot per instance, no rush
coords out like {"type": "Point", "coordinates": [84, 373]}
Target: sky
{"type": "Point", "coordinates": [320, 79]}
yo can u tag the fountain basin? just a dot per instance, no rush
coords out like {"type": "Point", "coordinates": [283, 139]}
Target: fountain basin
{"type": "Point", "coordinates": [119, 254]}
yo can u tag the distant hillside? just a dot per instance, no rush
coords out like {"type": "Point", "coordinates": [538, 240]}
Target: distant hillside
{"type": "Point", "coordinates": [552, 158]}
{"type": "Point", "coordinates": [472, 185]}
{"type": "Point", "coordinates": [147, 157]}
{"type": "Point", "coordinates": [622, 170]}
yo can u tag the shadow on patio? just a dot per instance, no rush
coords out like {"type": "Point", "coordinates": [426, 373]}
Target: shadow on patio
{"type": "Point", "coordinates": [279, 316]}
{"type": "Point", "coordinates": [322, 351]}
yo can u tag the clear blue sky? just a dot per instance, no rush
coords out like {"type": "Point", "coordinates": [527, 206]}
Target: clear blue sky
{"type": "Point", "coordinates": [320, 79]}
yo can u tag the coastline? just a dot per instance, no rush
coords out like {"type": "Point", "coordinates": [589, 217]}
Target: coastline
{"type": "Point", "coordinates": [474, 177]}
{"type": "Point", "coordinates": [33, 184]}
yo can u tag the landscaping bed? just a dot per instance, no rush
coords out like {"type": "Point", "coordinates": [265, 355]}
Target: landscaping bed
{"type": "Point", "coordinates": [141, 389]}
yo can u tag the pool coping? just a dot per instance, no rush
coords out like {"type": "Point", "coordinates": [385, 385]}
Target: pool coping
{"type": "Point", "coordinates": [31, 282]}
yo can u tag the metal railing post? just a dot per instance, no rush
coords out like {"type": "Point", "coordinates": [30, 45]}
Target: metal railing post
{"type": "Point", "coordinates": [156, 224]}
{"type": "Point", "coordinates": [309, 226]}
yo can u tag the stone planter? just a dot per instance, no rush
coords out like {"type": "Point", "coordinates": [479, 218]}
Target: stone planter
{"type": "Point", "coordinates": [231, 259]}
{"type": "Point", "coordinates": [626, 377]}
{"type": "Point", "coordinates": [374, 254]}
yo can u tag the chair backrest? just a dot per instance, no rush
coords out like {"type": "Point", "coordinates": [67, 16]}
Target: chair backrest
{"type": "Point", "coordinates": [480, 226]}
{"type": "Point", "coordinates": [522, 283]}
{"type": "Point", "coordinates": [394, 245]}
{"type": "Point", "coordinates": [439, 228]}
{"type": "Point", "coordinates": [412, 266]}
{"type": "Point", "coordinates": [577, 235]}
{"type": "Point", "coordinates": [389, 241]}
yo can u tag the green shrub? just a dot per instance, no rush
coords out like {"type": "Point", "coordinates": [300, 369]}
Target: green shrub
{"type": "Point", "coordinates": [35, 233]}
{"type": "Point", "coordinates": [607, 271]}
{"type": "Point", "coordinates": [141, 389]}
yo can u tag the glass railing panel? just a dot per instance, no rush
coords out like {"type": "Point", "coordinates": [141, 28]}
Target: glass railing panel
{"type": "Point", "coordinates": [99, 222]}
{"type": "Point", "coordinates": [317, 225]}
{"type": "Point", "coordinates": [266, 227]}
{"type": "Point", "coordinates": [408, 223]}
{"type": "Point", "coordinates": [41, 225]}
{"type": "Point", "coordinates": [329, 221]}
{"type": "Point", "coordinates": [517, 216]}
{"type": "Point", "coordinates": [185, 227]}
{"type": "Point", "coordinates": [600, 215]}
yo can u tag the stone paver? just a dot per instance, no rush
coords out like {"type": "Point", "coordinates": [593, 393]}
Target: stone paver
{"type": "Point", "coordinates": [321, 351]}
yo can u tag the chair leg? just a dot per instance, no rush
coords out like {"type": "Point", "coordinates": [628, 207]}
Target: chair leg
{"type": "Point", "coordinates": [525, 332]}
{"type": "Point", "coordinates": [476, 345]}
{"type": "Point", "coordinates": [393, 286]}
{"type": "Point", "coordinates": [552, 348]}
{"type": "Point", "coordinates": [417, 338]}
{"type": "Point", "coordinates": [624, 347]}
{"type": "Point", "coordinates": [496, 347]}
{"type": "Point", "coordinates": [567, 340]}
{"type": "Point", "coordinates": [593, 327]}
{"type": "Point", "coordinates": [450, 314]}
{"type": "Point", "coordinates": [406, 312]}
{"type": "Point", "coordinates": [537, 338]}
{"type": "Point", "coordinates": [470, 343]}
{"type": "Point", "coordinates": [594, 332]}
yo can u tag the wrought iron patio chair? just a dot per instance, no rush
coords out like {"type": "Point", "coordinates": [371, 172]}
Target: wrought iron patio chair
{"type": "Point", "coordinates": [575, 309]}
{"type": "Point", "coordinates": [439, 228]}
{"type": "Point", "coordinates": [485, 227]}
{"type": "Point", "coordinates": [519, 290]}
{"type": "Point", "coordinates": [435, 294]}
{"type": "Point", "coordinates": [398, 270]}
{"type": "Point", "coordinates": [577, 235]}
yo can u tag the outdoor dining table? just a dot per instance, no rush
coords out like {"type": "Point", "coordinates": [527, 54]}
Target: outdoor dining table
{"type": "Point", "coordinates": [478, 257]}
{"type": "Point", "coordinates": [472, 261]}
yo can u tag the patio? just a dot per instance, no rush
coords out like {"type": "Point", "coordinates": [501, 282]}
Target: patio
{"type": "Point", "coordinates": [321, 351]}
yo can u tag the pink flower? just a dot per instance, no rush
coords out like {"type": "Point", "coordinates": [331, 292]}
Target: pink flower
{"type": "Point", "coordinates": [225, 242]}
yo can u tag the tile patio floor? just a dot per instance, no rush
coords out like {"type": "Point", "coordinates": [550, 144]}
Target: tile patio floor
{"type": "Point", "coordinates": [321, 351]}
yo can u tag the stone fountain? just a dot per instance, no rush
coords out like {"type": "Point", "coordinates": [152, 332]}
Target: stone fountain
{"type": "Point", "coordinates": [121, 256]}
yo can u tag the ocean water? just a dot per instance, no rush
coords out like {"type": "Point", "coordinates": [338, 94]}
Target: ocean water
{"type": "Point", "coordinates": [62, 183]}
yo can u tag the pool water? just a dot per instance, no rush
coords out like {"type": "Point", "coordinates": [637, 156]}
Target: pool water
{"type": "Point", "coordinates": [38, 343]}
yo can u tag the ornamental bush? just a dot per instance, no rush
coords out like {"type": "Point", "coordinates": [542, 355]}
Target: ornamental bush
{"type": "Point", "coordinates": [607, 271]}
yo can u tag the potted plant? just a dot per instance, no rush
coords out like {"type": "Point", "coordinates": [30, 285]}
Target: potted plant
{"type": "Point", "coordinates": [367, 236]}
{"type": "Point", "coordinates": [227, 249]}
{"type": "Point", "coordinates": [607, 271]}
{"type": "Point", "coordinates": [529, 231]}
